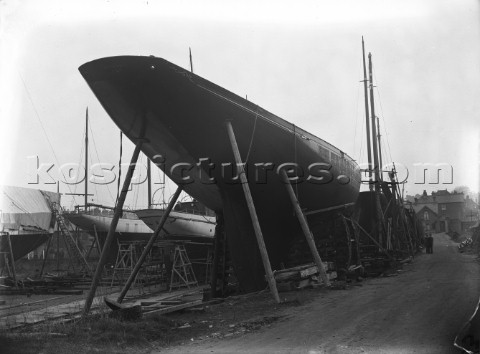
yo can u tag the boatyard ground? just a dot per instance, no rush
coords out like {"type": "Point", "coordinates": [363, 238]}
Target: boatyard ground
{"type": "Point", "coordinates": [419, 309]}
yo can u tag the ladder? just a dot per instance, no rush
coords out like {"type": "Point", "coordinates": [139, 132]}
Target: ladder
{"type": "Point", "coordinates": [72, 247]}
{"type": "Point", "coordinates": [182, 271]}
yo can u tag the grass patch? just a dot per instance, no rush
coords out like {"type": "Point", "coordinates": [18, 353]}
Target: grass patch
{"type": "Point", "coordinates": [98, 333]}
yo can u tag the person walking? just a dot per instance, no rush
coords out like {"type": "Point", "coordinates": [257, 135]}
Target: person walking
{"type": "Point", "coordinates": [429, 243]}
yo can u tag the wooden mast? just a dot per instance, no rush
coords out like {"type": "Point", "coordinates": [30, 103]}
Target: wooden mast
{"type": "Point", "coordinates": [374, 128]}
{"type": "Point", "coordinates": [191, 61]}
{"type": "Point", "coordinates": [375, 154]}
{"type": "Point", "coordinates": [86, 159]}
{"type": "Point", "coordinates": [379, 145]}
{"type": "Point", "coordinates": [149, 182]}
{"type": "Point", "coordinates": [367, 117]}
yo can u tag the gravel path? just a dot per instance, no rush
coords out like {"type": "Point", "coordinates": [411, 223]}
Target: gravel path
{"type": "Point", "coordinates": [419, 311]}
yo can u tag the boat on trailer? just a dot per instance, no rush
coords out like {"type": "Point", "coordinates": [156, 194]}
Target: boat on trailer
{"type": "Point", "coordinates": [181, 120]}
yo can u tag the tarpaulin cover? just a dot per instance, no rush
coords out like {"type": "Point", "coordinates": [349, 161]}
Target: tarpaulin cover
{"type": "Point", "coordinates": [24, 209]}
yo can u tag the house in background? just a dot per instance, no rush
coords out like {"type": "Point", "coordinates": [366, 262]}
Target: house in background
{"type": "Point", "coordinates": [445, 211]}
{"type": "Point", "coordinates": [471, 216]}
{"type": "Point", "coordinates": [426, 209]}
{"type": "Point", "coordinates": [429, 219]}
{"type": "Point", "coordinates": [451, 210]}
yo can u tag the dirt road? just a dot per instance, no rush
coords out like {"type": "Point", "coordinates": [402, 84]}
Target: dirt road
{"type": "Point", "coordinates": [418, 311]}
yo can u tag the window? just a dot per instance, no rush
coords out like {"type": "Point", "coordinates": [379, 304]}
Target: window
{"type": "Point", "coordinates": [443, 207]}
{"type": "Point", "coordinates": [425, 215]}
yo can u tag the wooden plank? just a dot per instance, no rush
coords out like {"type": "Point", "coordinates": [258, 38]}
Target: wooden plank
{"type": "Point", "coordinates": [253, 214]}
{"type": "Point", "coordinates": [300, 267]}
{"type": "Point", "coordinates": [309, 271]}
{"type": "Point", "coordinates": [173, 308]}
{"type": "Point", "coordinates": [292, 275]}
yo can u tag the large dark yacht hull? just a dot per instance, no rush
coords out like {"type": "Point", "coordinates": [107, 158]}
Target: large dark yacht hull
{"type": "Point", "coordinates": [182, 116]}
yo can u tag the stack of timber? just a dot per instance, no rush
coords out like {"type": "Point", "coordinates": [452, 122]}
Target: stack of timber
{"type": "Point", "coordinates": [333, 243]}
{"type": "Point", "coordinates": [302, 276]}
{"type": "Point", "coordinates": [191, 299]}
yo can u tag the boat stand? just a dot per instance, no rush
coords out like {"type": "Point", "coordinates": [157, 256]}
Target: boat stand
{"type": "Point", "coordinates": [182, 270]}
{"type": "Point", "coordinates": [253, 214]}
{"type": "Point", "coordinates": [94, 245]}
{"type": "Point", "coordinates": [8, 259]}
{"type": "Point", "coordinates": [111, 232]}
{"type": "Point", "coordinates": [149, 245]}
{"type": "Point", "coordinates": [45, 255]}
{"type": "Point", "coordinates": [306, 230]}
{"type": "Point", "coordinates": [126, 259]}
{"type": "Point", "coordinates": [352, 233]}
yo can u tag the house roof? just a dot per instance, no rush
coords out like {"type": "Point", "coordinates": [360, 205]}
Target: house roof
{"type": "Point", "coordinates": [451, 198]}
{"type": "Point", "coordinates": [425, 208]}
{"type": "Point", "coordinates": [441, 196]}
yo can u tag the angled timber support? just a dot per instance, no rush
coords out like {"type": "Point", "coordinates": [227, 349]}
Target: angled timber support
{"type": "Point", "coordinates": [306, 229]}
{"type": "Point", "coordinates": [374, 241]}
{"type": "Point", "coordinates": [149, 245]}
{"type": "Point", "coordinates": [111, 232]}
{"type": "Point", "coordinates": [45, 255]}
{"type": "Point", "coordinates": [253, 214]}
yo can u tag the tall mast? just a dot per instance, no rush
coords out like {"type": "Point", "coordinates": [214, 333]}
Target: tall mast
{"type": "Point", "coordinates": [86, 160]}
{"type": "Point", "coordinates": [191, 61]}
{"type": "Point", "coordinates": [374, 129]}
{"type": "Point", "coordinates": [375, 155]}
{"type": "Point", "coordinates": [379, 145]}
{"type": "Point", "coordinates": [149, 183]}
{"type": "Point", "coordinates": [367, 117]}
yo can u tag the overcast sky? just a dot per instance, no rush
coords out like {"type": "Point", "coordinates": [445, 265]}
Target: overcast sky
{"type": "Point", "coordinates": [301, 61]}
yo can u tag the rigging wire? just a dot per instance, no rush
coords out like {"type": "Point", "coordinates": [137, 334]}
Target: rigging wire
{"type": "Point", "coordinates": [356, 117]}
{"type": "Point", "coordinates": [98, 158]}
{"type": "Point", "coordinates": [162, 187]}
{"type": "Point", "coordinates": [119, 169]}
{"type": "Point", "coordinates": [295, 157]}
{"type": "Point", "coordinates": [43, 128]}
{"type": "Point", "coordinates": [138, 186]}
{"type": "Point", "coordinates": [384, 127]}
{"type": "Point", "coordinates": [359, 85]}
{"type": "Point", "coordinates": [383, 120]}
{"type": "Point", "coordinates": [253, 134]}
{"type": "Point", "coordinates": [362, 142]}
{"type": "Point", "coordinates": [94, 184]}
{"type": "Point", "coordinates": [73, 201]}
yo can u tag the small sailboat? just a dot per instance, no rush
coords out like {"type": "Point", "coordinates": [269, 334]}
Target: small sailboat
{"type": "Point", "coordinates": [189, 221]}
{"type": "Point", "coordinates": [96, 218]}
